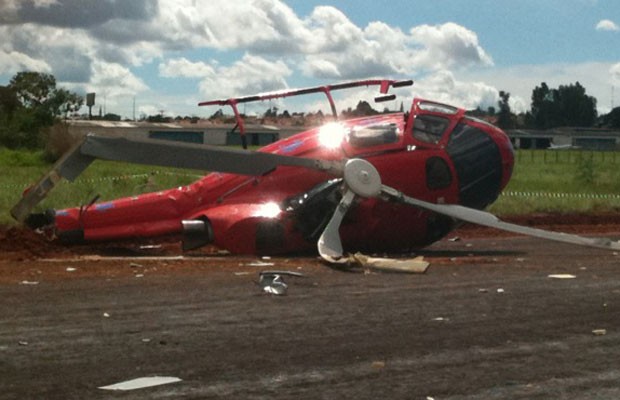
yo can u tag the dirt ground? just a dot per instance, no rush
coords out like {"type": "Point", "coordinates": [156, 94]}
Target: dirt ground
{"type": "Point", "coordinates": [484, 322]}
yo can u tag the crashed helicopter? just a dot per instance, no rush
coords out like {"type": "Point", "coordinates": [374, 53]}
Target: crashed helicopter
{"type": "Point", "coordinates": [385, 183]}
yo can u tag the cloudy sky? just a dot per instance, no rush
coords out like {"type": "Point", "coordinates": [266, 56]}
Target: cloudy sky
{"type": "Point", "coordinates": [170, 54]}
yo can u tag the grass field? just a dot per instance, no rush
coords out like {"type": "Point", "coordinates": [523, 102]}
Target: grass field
{"type": "Point", "coordinates": [543, 181]}
{"type": "Point", "coordinates": [108, 179]}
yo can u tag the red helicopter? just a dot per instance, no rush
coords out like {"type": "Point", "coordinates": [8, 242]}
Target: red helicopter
{"type": "Point", "coordinates": [385, 183]}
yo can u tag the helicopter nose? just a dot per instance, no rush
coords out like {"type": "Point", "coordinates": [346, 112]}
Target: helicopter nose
{"type": "Point", "coordinates": [483, 159]}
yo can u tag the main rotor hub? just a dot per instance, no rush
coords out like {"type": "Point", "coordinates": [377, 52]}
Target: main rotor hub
{"type": "Point", "coordinates": [362, 178]}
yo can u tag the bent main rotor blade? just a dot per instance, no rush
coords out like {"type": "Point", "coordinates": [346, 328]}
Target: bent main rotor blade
{"type": "Point", "coordinates": [162, 153]}
{"type": "Point", "coordinates": [329, 244]}
{"type": "Point", "coordinates": [194, 156]}
{"type": "Point", "coordinates": [490, 220]}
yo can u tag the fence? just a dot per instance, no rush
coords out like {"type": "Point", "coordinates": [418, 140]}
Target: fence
{"type": "Point", "coordinates": [566, 156]}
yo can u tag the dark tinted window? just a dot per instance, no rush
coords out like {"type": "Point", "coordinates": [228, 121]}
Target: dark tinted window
{"type": "Point", "coordinates": [478, 165]}
{"type": "Point", "coordinates": [429, 128]}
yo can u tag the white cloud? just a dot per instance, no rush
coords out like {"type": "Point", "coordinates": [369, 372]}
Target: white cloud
{"type": "Point", "coordinates": [182, 67]}
{"type": "Point", "coordinates": [614, 71]}
{"type": "Point", "coordinates": [607, 25]}
{"type": "Point", "coordinates": [100, 51]}
{"type": "Point", "coordinates": [250, 75]}
{"type": "Point", "coordinates": [12, 61]}
{"type": "Point", "coordinates": [442, 86]}
{"type": "Point", "coordinates": [448, 45]}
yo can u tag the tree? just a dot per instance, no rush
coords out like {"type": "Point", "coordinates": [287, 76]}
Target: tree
{"type": "Point", "coordinates": [8, 102]}
{"type": "Point", "coordinates": [33, 88]}
{"type": "Point", "coordinates": [612, 120]}
{"type": "Point", "coordinates": [504, 116]}
{"type": "Point", "coordinates": [65, 102]}
{"type": "Point", "coordinates": [217, 115]}
{"type": "Point", "coordinates": [569, 105]}
{"type": "Point", "coordinates": [30, 103]}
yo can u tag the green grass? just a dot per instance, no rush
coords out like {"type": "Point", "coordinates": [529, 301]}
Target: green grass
{"type": "Point", "coordinates": [110, 180]}
{"type": "Point", "coordinates": [539, 178]}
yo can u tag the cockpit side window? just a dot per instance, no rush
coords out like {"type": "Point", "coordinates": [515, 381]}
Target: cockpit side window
{"type": "Point", "coordinates": [374, 135]}
{"type": "Point", "coordinates": [429, 128]}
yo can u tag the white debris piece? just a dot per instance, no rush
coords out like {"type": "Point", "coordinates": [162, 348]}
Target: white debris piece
{"type": "Point", "coordinates": [411, 265]}
{"type": "Point", "coordinates": [70, 269]}
{"type": "Point", "coordinates": [28, 283]}
{"type": "Point", "coordinates": [140, 383]}
{"type": "Point", "coordinates": [261, 264]}
{"type": "Point", "coordinates": [599, 332]}
{"type": "Point", "coordinates": [561, 276]}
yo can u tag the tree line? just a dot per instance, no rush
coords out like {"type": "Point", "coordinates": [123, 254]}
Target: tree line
{"type": "Point", "coordinates": [565, 106]}
{"type": "Point", "coordinates": [32, 102]}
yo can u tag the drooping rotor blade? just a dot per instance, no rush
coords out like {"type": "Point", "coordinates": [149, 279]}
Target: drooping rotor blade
{"type": "Point", "coordinates": [194, 156]}
{"type": "Point", "coordinates": [490, 220]}
{"type": "Point", "coordinates": [162, 153]}
{"type": "Point", "coordinates": [329, 244]}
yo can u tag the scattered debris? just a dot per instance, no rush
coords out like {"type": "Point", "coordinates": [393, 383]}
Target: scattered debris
{"type": "Point", "coordinates": [139, 275]}
{"type": "Point", "coordinates": [260, 264]}
{"type": "Point", "coordinates": [70, 269]}
{"type": "Point", "coordinates": [455, 239]}
{"type": "Point", "coordinates": [140, 383]}
{"type": "Point", "coordinates": [136, 265]}
{"type": "Point", "coordinates": [415, 265]}
{"type": "Point", "coordinates": [599, 332]}
{"type": "Point", "coordinates": [273, 283]}
{"type": "Point", "coordinates": [483, 290]}
{"type": "Point", "coordinates": [561, 276]}
{"type": "Point", "coordinates": [242, 273]}
{"type": "Point", "coordinates": [106, 315]}
{"type": "Point", "coordinates": [440, 319]}
{"type": "Point", "coordinates": [378, 364]}
{"type": "Point", "coordinates": [29, 283]}
{"type": "Point", "coordinates": [22, 343]}
{"type": "Point", "coordinates": [150, 246]}
{"type": "Point", "coordinates": [500, 290]}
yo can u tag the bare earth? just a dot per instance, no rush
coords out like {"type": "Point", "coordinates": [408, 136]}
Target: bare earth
{"type": "Point", "coordinates": [484, 322]}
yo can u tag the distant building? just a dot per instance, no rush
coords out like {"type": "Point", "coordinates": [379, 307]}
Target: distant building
{"type": "Point", "coordinates": [599, 139]}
